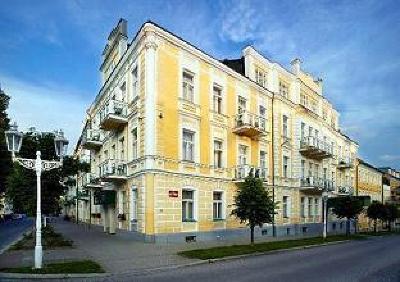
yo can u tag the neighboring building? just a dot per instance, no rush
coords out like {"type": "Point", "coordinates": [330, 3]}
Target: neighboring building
{"type": "Point", "coordinates": [391, 178]}
{"type": "Point", "coordinates": [173, 130]}
{"type": "Point", "coordinates": [368, 183]}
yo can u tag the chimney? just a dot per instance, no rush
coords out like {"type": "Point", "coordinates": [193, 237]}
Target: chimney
{"type": "Point", "coordinates": [296, 66]}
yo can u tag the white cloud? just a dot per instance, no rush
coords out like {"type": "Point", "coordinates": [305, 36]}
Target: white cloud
{"type": "Point", "coordinates": [388, 157]}
{"type": "Point", "coordinates": [46, 107]}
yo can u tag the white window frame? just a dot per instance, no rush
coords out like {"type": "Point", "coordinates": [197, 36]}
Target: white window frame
{"type": "Point", "coordinates": [194, 205]}
{"type": "Point", "coordinates": [217, 101]}
{"type": "Point", "coordinates": [285, 167]}
{"type": "Point", "coordinates": [134, 204]}
{"type": "Point", "coordinates": [218, 153]}
{"type": "Point", "coordinates": [220, 205]}
{"type": "Point", "coordinates": [135, 82]}
{"type": "Point", "coordinates": [285, 206]}
{"type": "Point", "coordinates": [135, 143]}
{"type": "Point", "coordinates": [186, 144]}
{"type": "Point", "coordinates": [188, 85]}
{"type": "Point", "coordinates": [303, 207]}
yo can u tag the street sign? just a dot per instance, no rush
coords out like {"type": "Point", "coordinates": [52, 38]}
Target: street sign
{"type": "Point", "coordinates": [173, 194]}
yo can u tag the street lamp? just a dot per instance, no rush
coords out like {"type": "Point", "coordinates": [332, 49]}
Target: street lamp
{"type": "Point", "coordinates": [14, 142]}
{"type": "Point", "coordinates": [325, 211]}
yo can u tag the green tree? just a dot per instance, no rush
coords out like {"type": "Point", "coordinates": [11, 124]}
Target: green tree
{"type": "Point", "coordinates": [375, 211]}
{"type": "Point", "coordinates": [253, 204]}
{"type": "Point", "coordinates": [392, 213]}
{"type": "Point", "coordinates": [347, 207]}
{"type": "Point", "coordinates": [5, 156]}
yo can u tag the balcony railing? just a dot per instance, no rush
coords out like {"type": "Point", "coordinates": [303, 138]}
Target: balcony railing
{"type": "Point", "coordinates": [315, 148]}
{"type": "Point", "coordinates": [243, 171]}
{"type": "Point", "coordinates": [250, 125]}
{"type": "Point", "coordinates": [345, 162]}
{"type": "Point", "coordinates": [113, 115]}
{"type": "Point", "coordinates": [316, 183]}
{"type": "Point", "coordinates": [111, 170]}
{"type": "Point", "coordinates": [92, 139]}
{"type": "Point", "coordinates": [90, 180]}
{"type": "Point", "coordinates": [347, 190]}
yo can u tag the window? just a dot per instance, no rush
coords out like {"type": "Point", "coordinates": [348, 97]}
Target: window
{"type": "Point", "coordinates": [242, 155]}
{"type": "Point", "coordinates": [303, 99]}
{"type": "Point", "coordinates": [310, 169]}
{"type": "Point", "coordinates": [263, 159]}
{"type": "Point", "coordinates": [217, 99]}
{"type": "Point", "coordinates": [262, 112]}
{"type": "Point", "coordinates": [316, 206]}
{"type": "Point", "coordinates": [188, 86]}
{"type": "Point", "coordinates": [310, 206]}
{"type": "Point", "coordinates": [217, 205]}
{"type": "Point", "coordinates": [285, 126]}
{"type": "Point", "coordinates": [324, 114]}
{"type": "Point", "coordinates": [285, 206]}
{"type": "Point", "coordinates": [303, 166]}
{"type": "Point", "coordinates": [188, 145]}
{"type": "Point", "coordinates": [283, 89]}
{"type": "Point", "coordinates": [134, 83]}
{"type": "Point", "coordinates": [187, 205]}
{"type": "Point", "coordinates": [123, 91]}
{"type": "Point", "coordinates": [113, 152]}
{"type": "Point", "coordinates": [134, 144]}
{"type": "Point", "coordinates": [316, 167]}
{"type": "Point", "coordinates": [241, 105]}
{"type": "Point", "coordinates": [134, 205]}
{"type": "Point", "coordinates": [302, 207]}
{"type": "Point", "coordinates": [260, 77]}
{"type": "Point", "coordinates": [302, 130]}
{"type": "Point", "coordinates": [122, 148]}
{"type": "Point", "coordinates": [285, 166]}
{"type": "Point", "coordinates": [217, 153]}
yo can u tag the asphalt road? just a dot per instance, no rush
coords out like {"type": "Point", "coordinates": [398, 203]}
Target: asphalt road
{"type": "Point", "coordinates": [11, 230]}
{"type": "Point", "coordinates": [376, 259]}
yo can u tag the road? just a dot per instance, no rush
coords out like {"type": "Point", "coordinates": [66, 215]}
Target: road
{"type": "Point", "coordinates": [375, 259]}
{"type": "Point", "coordinates": [11, 230]}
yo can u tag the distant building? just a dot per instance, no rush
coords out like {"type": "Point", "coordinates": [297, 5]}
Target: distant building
{"type": "Point", "coordinates": [6, 208]}
{"type": "Point", "coordinates": [391, 178]}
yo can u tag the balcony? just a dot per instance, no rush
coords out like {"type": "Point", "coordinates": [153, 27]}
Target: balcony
{"type": "Point", "coordinates": [316, 184]}
{"type": "Point", "coordinates": [91, 180]}
{"type": "Point", "coordinates": [242, 171]}
{"type": "Point", "coordinates": [250, 125]}
{"type": "Point", "coordinates": [345, 190]}
{"type": "Point", "coordinates": [114, 115]}
{"type": "Point", "coordinates": [113, 170]}
{"type": "Point", "coordinates": [92, 139]}
{"type": "Point", "coordinates": [314, 148]}
{"type": "Point", "coordinates": [344, 163]}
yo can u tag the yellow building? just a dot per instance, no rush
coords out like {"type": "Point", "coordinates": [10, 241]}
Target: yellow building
{"type": "Point", "coordinates": [368, 183]}
{"type": "Point", "coordinates": [173, 130]}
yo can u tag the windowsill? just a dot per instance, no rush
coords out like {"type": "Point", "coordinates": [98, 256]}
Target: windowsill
{"type": "Point", "coordinates": [219, 219]}
{"type": "Point", "coordinates": [183, 100]}
{"type": "Point", "coordinates": [189, 220]}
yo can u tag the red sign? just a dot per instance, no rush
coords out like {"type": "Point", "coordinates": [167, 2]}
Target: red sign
{"type": "Point", "coordinates": [173, 194]}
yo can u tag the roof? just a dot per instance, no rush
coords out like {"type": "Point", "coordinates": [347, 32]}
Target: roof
{"type": "Point", "coordinates": [360, 161]}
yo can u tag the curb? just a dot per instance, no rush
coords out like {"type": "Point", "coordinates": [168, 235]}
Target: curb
{"type": "Point", "coordinates": [51, 276]}
{"type": "Point", "coordinates": [275, 251]}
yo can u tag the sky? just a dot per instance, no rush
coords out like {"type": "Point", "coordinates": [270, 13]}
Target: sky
{"type": "Point", "coordinates": [50, 54]}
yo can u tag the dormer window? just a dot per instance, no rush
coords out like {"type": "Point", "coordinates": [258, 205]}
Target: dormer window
{"type": "Point", "coordinates": [283, 89]}
{"type": "Point", "coordinates": [260, 77]}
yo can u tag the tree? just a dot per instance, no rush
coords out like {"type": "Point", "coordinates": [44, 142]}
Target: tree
{"type": "Point", "coordinates": [253, 204]}
{"type": "Point", "coordinates": [21, 188]}
{"type": "Point", "coordinates": [376, 211]}
{"type": "Point", "coordinates": [392, 213]}
{"type": "Point", "coordinates": [5, 156]}
{"type": "Point", "coordinates": [347, 207]}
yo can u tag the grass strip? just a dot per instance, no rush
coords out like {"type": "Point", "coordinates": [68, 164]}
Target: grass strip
{"type": "Point", "coordinates": [50, 239]}
{"type": "Point", "coordinates": [83, 266]}
{"type": "Point", "coordinates": [234, 250]}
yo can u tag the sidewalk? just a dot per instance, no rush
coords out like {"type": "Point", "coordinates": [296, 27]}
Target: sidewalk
{"type": "Point", "coordinates": [120, 252]}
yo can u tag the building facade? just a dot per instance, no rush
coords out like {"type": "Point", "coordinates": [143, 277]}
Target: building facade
{"type": "Point", "coordinates": [173, 130]}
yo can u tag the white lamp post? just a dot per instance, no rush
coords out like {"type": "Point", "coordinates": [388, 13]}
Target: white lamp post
{"type": "Point", "coordinates": [325, 211]}
{"type": "Point", "coordinates": [14, 142]}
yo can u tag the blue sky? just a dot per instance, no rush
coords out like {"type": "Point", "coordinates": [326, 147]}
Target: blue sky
{"type": "Point", "coordinates": [50, 54]}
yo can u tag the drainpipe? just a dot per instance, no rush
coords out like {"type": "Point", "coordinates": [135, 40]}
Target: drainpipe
{"type": "Point", "coordinates": [273, 166]}
{"type": "Point", "coordinates": [77, 199]}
